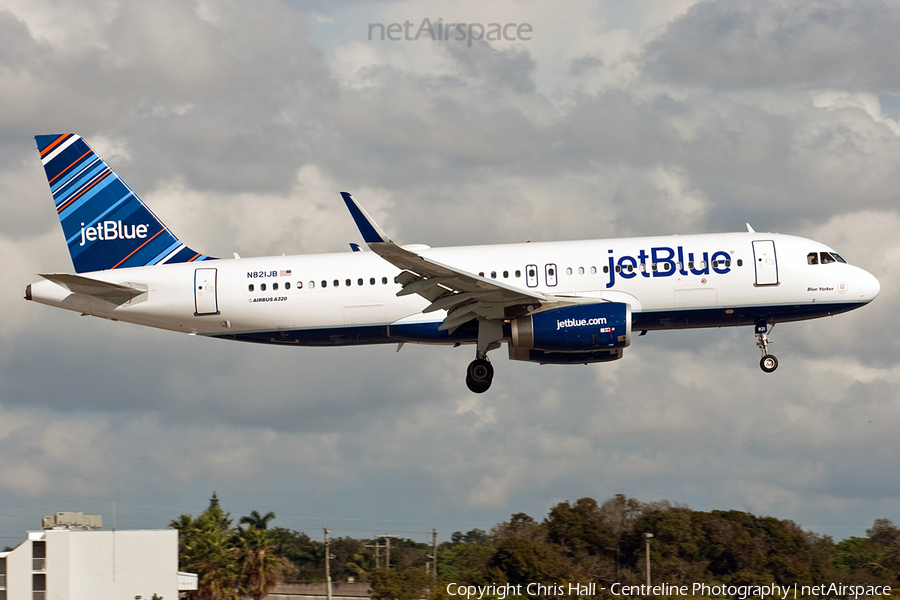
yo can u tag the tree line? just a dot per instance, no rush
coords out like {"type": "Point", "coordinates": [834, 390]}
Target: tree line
{"type": "Point", "coordinates": [580, 541]}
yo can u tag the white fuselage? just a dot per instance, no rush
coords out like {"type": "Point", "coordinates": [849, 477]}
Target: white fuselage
{"type": "Point", "coordinates": [709, 280]}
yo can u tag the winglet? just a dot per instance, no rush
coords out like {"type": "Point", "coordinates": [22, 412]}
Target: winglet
{"type": "Point", "coordinates": [371, 232]}
{"type": "Point", "coordinates": [750, 229]}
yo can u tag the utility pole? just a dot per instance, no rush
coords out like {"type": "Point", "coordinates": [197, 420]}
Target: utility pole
{"type": "Point", "coordinates": [618, 577]}
{"type": "Point", "coordinates": [647, 537]}
{"type": "Point", "coordinates": [327, 565]}
{"type": "Point", "coordinates": [376, 546]}
{"type": "Point", "coordinates": [434, 557]}
{"type": "Point", "coordinates": [387, 550]}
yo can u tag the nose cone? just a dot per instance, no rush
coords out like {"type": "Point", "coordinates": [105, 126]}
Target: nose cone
{"type": "Point", "coordinates": [868, 286]}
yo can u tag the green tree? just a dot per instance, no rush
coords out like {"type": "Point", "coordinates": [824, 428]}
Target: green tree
{"type": "Point", "coordinates": [872, 560]}
{"type": "Point", "coordinates": [256, 520]}
{"type": "Point", "coordinates": [524, 561]}
{"type": "Point", "coordinates": [408, 584]}
{"type": "Point", "coordinates": [205, 548]}
{"type": "Point", "coordinates": [259, 564]}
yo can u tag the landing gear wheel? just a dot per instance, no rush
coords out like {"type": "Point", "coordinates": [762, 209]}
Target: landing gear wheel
{"type": "Point", "coordinates": [479, 375]}
{"type": "Point", "coordinates": [768, 363]}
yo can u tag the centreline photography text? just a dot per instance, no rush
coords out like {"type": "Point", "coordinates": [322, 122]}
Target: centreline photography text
{"type": "Point", "coordinates": [741, 592]}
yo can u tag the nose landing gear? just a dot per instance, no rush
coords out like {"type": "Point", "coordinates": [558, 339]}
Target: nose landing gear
{"type": "Point", "coordinates": [768, 362]}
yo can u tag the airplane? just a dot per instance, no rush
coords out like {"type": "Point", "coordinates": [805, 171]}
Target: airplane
{"type": "Point", "coordinates": [566, 302]}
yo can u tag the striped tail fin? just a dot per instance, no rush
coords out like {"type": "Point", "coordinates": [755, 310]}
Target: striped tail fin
{"type": "Point", "coordinates": [106, 225]}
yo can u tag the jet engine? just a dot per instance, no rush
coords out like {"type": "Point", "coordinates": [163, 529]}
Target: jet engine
{"type": "Point", "coordinates": [583, 333]}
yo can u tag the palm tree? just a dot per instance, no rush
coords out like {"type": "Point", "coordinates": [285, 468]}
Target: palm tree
{"type": "Point", "coordinates": [258, 561]}
{"type": "Point", "coordinates": [257, 521]}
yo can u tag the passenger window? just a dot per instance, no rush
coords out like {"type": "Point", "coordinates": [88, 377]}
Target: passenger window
{"type": "Point", "coordinates": [287, 285]}
{"type": "Point", "coordinates": [384, 280]}
{"type": "Point", "coordinates": [262, 287]}
{"type": "Point", "coordinates": [568, 270]}
{"type": "Point", "coordinates": [481, 273]}
{"type": "Point", "coordinates": [493, 274]}
{"type": "Point", "coordinates": [275, 286]}
{"type": "Point", "coordinates": [324, 283]}
{"type": "Point", "coordinates": [505, 274]}
{"type": "Point", "coordinates": [337, 283]}
{"type": "Point", "coordinates": [715, 264]}
{"type": "Point", "coordinates": [312, 285]}
{"type": "Point", "coordinates": [740, 262]}
{"type": "Point", "coordinates": [359, 281]}
{"type": "Point", "coordinates": [531, 272]}
{"type": "Point", "coordinates": [690, 264]}
{"type": "Point", "coordinates": [812, 258]}
{"type": "Point", "coordinates": [826, 258]}
{"type": "Point", "coordinates": [371, 281]}
{"type": "Point", "coordinates": [606, 269]}
{"type": "Point", "coordinates": [630, 268]}
{"type": "Point", "coordinates": [300, 285]}
{"type": "Point", "coordinates": [348, 283]}
{"type": "Point", "coordinates": [250, 287]}
{"type": "Point", "coordinates": [727, 262]}
{"type": "Point", "coordinates": [618, 268]}
{"type": "Point", "coordinates": [593, 270]}
{"type": "Point", "coordinates": [518, 273]}
{"type": "Point", "coordinates": [581, 270]}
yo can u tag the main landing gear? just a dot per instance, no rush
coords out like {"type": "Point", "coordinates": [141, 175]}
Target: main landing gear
{"type": "Point", "coordinates": [768, 362]}
{"type": "Point", "coordinates": [480, 373]}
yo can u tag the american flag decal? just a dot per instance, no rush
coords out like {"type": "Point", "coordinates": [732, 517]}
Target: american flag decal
{"type": "Point", "coordinates": [284, 273]}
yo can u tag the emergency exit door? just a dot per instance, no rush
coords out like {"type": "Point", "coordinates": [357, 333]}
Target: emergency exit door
{"type": "Point", "coordinates": [765, 263]}
{"type": "Point", "coordinates": [205, 301]}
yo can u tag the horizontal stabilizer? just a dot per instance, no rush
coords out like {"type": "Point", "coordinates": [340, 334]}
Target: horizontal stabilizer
{"type": "Point", "coordinates": [78, 284]}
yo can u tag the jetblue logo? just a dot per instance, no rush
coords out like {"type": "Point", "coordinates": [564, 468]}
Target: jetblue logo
{"type": "Point", "coordinates": [663, 261]}
{"type": "Point", "coordinates": [112, 230]}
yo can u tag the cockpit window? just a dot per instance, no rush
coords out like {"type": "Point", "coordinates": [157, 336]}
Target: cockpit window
{"type": "Point", "coordinates": [815, 258]}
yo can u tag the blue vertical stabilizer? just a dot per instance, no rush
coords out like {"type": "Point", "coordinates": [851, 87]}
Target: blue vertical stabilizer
{"type": "Point", "coordinates": [106, 225]}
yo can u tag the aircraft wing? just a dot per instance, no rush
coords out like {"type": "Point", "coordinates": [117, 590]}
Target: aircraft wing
{"type": "Point", "coordinates": [465, 296]}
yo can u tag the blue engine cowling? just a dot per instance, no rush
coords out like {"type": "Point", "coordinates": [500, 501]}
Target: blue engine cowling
{"type": "Point", "coordinates": [583, 333]}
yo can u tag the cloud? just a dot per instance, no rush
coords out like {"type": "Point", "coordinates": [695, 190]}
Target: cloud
{"type": "Point", "coordinates": [240, 124]}
{"type": "Point", "coordinates": [762, 44]}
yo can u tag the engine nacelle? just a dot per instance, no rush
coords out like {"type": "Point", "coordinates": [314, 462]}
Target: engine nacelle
{"type": "Point", "coordinates": [583, 333]}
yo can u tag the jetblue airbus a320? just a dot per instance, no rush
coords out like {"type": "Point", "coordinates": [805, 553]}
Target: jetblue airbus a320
{"type": "Point", "coordinates": [573, 302]}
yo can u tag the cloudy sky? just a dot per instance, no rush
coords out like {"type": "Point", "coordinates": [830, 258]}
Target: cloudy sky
{"type": "Point", "coordinates": [239, 123]}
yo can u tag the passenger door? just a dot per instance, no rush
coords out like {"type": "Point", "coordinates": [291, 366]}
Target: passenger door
{"type": "Point", "coordinates": [205, 299]}
{"type": "Point", "coordinates": [765, 263]}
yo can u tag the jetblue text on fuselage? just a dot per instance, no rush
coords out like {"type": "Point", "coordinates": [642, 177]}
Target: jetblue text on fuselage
{"type": "Point", "coordinates": [112, 230]}
{"type": "Point", "coordinates": [662, 261]}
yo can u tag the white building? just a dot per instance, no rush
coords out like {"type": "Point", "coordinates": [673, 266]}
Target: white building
{"type": "Point", "coordinates": [64, 564]}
